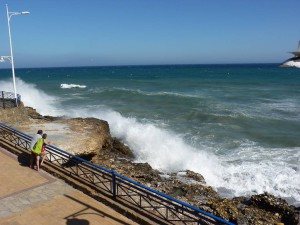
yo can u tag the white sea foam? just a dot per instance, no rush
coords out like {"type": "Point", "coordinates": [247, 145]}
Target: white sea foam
{"type": "Point", "coordinates": [68, 86]}
{"type": "Point", "coordinates": [33, 97]}
{"type": "Point", "coordinates": [250, 170]}
{"type": "Point", "coordinates": [253, 169]}
{"type": "Point", "coordinates": [247, 170]}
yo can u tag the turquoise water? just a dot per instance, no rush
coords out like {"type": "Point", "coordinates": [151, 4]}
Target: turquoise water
{"type": "Point", "coordinates": [238, 125]}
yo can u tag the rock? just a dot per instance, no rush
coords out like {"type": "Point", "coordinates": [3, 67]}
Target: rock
{"type": "Point", "coordinates": [276, 205]}
{"type": "Point", "coordinates": [121, 149]}
{"type": "Point", "coordinates": [14, 116]}
{"type": "Point", "coordinates": [253, 216]}
{"type": "Point", "coordinates": [224, 208]}
{"type": "Point", "coordinates": [32, 113]}
{"type": "Point", "coordinates": [95, 134]}
{"type": "Point", "coordinates": [195, 176]}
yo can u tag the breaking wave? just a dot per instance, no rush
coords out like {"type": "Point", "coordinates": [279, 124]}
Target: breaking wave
{"type": "Point", "coordinates": [69, 86]}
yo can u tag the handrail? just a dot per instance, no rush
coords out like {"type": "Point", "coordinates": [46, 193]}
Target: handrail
{"type": "Point", "coordinates": [7, 100]}
{"type": "Point", "coordinates": [118, 187]}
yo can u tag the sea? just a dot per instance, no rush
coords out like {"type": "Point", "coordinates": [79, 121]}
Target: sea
{"type": "Point", "coordinates": [237, 125]}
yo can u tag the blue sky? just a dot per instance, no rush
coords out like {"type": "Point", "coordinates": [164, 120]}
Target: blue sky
{"type": "Point", "coordinates": [140, 32]}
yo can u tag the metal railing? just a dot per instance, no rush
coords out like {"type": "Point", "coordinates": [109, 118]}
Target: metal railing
{"type": "Point", "coordinates": [8, 100]}
{"type": "Point", "coordinates": [132, 194]}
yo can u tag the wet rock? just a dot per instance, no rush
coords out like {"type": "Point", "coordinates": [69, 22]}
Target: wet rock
{"type": "Point", "coordinates": [121, 149]}
{"type": "Point", "coordinates": [195, 176]}
{"type": "Point", "coordinates": [178, 192]}
{"type": "Point", "coordinates": [224, 208]}
{"type": "Point", "coordinates": [32, 113]}
{"type": "Point", "coordinates": [277, 206]}
{"type": "Point", "coordinates": [253, 216]}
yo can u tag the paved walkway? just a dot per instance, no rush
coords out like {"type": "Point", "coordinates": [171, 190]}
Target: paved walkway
{"type": "Point", "coordinates": [35, 198]}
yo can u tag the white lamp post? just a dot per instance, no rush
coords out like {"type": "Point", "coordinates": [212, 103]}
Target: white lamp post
{"type": "Point", "coordinates": [9, 15]}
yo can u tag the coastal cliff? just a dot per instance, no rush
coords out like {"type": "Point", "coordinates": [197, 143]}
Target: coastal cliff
{"type": "Point", "coordinates": [90, 138]}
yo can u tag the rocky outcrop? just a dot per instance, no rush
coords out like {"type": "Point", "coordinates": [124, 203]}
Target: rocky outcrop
{"type": "Point", "coordinates": [96, 135]}
{"type": "Point", "coordinates": [14, 116]}
{"type": "Point", "coordinates": [90, 138]}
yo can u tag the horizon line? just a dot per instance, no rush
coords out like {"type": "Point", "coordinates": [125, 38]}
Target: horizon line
{"type": "Point", "coordinates": [141, 65]}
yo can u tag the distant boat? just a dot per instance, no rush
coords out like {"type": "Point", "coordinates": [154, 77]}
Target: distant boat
{"type": "Point", "coordinates": [294, 61]}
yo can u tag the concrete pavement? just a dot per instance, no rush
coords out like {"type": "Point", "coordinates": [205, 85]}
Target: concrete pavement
{"type": "Point", "coordinates": [31, 197]}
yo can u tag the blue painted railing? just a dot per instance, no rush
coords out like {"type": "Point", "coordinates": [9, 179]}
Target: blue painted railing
{"type": "Point", "coordinates": [159, 206]}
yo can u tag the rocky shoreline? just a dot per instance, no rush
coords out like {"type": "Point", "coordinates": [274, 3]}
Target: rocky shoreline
{"type": "Point", "coordinates": [90, 138]}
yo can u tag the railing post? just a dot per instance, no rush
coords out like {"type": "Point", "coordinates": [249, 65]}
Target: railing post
{"type": "Point", "coordinates": [114, 185]}
{"type": "Point", "coordinates": [18, 100]}
{"type": "Point", "coordinates": [3, 99]}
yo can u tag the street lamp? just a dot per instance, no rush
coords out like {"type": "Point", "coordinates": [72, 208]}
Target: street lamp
{"type": "Point", "coordinates": [9, 15]}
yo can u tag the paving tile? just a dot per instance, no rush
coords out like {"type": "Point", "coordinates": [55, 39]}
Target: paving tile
{"type": "Point", "coordinates": [23, 178]}
{"type": "Point", "coordinates": [35, 198]}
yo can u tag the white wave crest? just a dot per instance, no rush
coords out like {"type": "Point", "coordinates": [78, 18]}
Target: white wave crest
{"type": "Point", "coordinates": [68, 86]}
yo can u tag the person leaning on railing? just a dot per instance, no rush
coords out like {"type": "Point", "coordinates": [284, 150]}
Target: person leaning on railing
{"type": "Point", "coordinates": [44, 153]}
{"type": "Point", "coordinates": [37, 150]}
{"type": "Point", "coordinates": [34, 140]}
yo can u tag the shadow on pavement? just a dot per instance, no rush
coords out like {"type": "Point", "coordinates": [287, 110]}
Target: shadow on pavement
{"type": "Point", "coordinates": [71, 220]}
{"type": "Point", "coordinates": [77, 222]}
{"type": "Point", "coordinates": [23, 159]}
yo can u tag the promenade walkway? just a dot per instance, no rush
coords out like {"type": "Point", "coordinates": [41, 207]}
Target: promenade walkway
{"type": "Point", "coordinates": [35, 198]}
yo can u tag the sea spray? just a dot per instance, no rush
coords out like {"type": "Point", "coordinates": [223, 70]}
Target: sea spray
{"type": "Point", "coordinates": [167, 151]}
{"type": "Point", "coordinates": [33, 97]}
